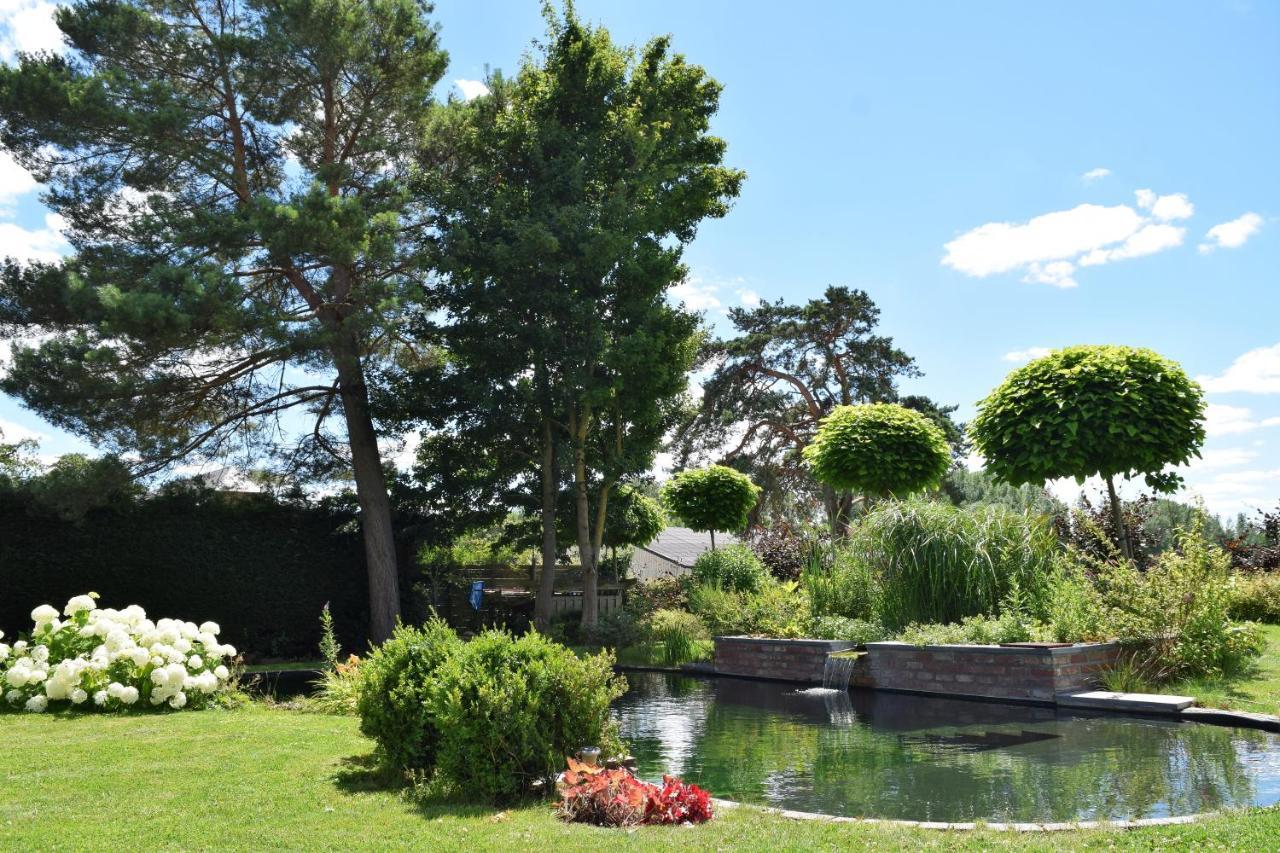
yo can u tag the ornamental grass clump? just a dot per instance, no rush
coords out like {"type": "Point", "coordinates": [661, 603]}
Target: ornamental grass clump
{"type": "Point", "coordinates": [937, 563]}
{"type": "Point", "coordinates": [108, 659]}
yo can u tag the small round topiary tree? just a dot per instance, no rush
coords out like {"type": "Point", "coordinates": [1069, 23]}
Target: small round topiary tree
{"type": "Point", "coordinates": [1092, 410]}
{"type": "Point", "coordinates": [878, 450]}
{"type": "Point", "coordinates": [711, 499]}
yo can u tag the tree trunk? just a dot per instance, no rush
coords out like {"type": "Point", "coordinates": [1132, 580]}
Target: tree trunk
{"type": "Point", "coordinates": [586, 553]}
{"type": "Point", "coordinates": [547, 581]}
{"type": "Point", "coordinates": [713, 539]}
{"type": "Point", "coordinates": [371, 489]}
{"type": "Point", "coordinates": [1117, 518]}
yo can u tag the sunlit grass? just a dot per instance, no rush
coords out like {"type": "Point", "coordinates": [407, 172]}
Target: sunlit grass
{"type": "Point", "coordinates": [256, 778]}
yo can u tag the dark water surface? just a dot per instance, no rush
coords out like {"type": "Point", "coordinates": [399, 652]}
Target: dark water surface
{"type": "Point", "coordinates": [886, 755]}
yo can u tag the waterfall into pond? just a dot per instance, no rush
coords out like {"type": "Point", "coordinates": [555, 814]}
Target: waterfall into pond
{"type": "Point", "coordinates": [838, 671]}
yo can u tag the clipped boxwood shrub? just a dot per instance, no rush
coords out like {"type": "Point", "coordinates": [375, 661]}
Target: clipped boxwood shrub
{"type": "Point", "coordinates": [395, 692]}
{"type": "Point", "coordinates": [734, 567]}
{"type": "Point", "coordinates": [510, 709]}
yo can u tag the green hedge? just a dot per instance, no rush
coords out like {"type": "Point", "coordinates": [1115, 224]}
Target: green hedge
{"type": "Point", "coordinates": [260, 569]}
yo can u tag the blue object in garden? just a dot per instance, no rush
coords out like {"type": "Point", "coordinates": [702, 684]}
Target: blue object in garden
{"type": "Point", "coordinates": [477, 594]}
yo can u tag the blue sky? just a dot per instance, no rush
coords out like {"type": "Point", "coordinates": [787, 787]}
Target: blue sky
{"type": "Point", "coordinates": [1000, 177]}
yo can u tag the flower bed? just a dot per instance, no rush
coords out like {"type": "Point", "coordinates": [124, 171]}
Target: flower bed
{"type": "Point", "coordinates": [112, 659]}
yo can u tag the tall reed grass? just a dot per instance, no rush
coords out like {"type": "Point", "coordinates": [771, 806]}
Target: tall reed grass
{"type": "Point", "coordinates": [940, 563]}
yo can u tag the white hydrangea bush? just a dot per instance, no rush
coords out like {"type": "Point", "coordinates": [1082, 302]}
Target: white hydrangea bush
{"type": "Point", "coordinates": [109, 659]}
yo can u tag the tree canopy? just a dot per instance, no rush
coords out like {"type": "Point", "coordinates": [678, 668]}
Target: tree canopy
{"type": "Point", "coordinates": [788, 367]}
{"type": "Point", "coordinates": [712, 498]}
{"type": "Point", "coordinates": [878, 450]}
{"type": "Point", "coordinates": [1092, 410]}
{"type": "Point", "coordinates": [561, 219]}
{"type": "Point", "coordinates": [234, 179]}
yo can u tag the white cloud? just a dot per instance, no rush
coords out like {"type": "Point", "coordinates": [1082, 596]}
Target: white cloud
{"type": "Point", "coordinates": [1049, 248]}
{"type": "Point", "coordinates": [1167, 208]}
{"type": "Point", "coordinates": [1255, 372]}
{"type": "Point", "coordinates": [696, 293]}
{"type": "Point", "coordinates": [1028, 354]}
{"type": "Point", "coordinates": [1221, 419]}
{"type": "Point", "coordinates": [1146, 241]}
{"type": "Point", "coordinates": [471, 88]}
{"type": "Point", "coordinates": [15, 181]}
{"type": "Point", "coordinates": [40, 244]}
{"type": "Point", "coordinates": [12, 433]}
{"type": "Point", "coordinates": [1095, 174]}
{"type": "Point", "coordinates": [1224, 457]}
{"type": "Point", "coordinates": [749, 298]}
{"type": "Point", "coordinates": [28, 27]}
{"type": "Point", "coordinates": [1230, 491]}
{"type": "Point", "coordinates": [1231, 235]}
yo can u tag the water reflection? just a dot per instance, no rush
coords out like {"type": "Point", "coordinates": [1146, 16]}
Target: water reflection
{"type": "Point", "coordinates": [875, 754]}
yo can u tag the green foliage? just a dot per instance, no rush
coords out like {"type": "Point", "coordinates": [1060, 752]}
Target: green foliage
{"type": "Point", "coordinates": [939, 563]}
{"type": "Point", "coordinates": [617, 629]}
{"type": "Point", "coordinates": [848, 588]}
{"type": "Point", "coordinates": [966, 487]}
{"type": "Point", "coordinates": [337, 691]}
{"type": "Point", "coordinates": [878, 449]}
{"type": "Point", "coordinates": [260, 568]}
{"type": "Point", "coordinates": [396, 685]}
{"type": "Point", "coordinates": [857, 631]}
{"type": "Point", "coordinates": [1091, 410]}
{"type": "Point", "coordinates": [734, 567]}
{"type": "Point", "coordinates": [510, 709]}
{"type": "Point", "coordinates": [768, 389]}
{"type": "Point", "coordinates": [975, 630]}
{"type": "Point", "coordinates": [666, 592]}
{"type": "Point", "coordinates": [1073, 613]}
{"type": "Point", "coordinates": [678, 634]}
{"type": "Point", "coordinates": [777, 609]}
{"type": "Point", "coordinates": [486, 718]}
{"type": "Point", "coordinates": [632, 518]}
{"type": "Point", "coordinates": [329, 648]}
{"type": "Point", "coordinates": [1255, 596]}
{"type": "Point", "coordinates": [76, 484]}
{"type": "Point", "coordinates": [713, 498]}
{"type": "Point", "coordinates": [1177, 613]}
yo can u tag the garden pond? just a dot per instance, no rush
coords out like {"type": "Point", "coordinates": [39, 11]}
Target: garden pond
{"type": "Point", "coordinates": [887, 755]}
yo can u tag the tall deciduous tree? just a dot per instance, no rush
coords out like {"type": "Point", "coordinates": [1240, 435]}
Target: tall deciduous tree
{"type": "Point", "coordinates": [571, 191]}
{"type": "Point", "coordinates": [1093, 410]}
{"type": "Point", "coordinates": [232, 178]}
{"type": "Point", "coordinates": [789, 366]}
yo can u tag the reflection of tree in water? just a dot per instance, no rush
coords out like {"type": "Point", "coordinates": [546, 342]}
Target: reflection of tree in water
{"type": "Point", "coordinates": [661, 718]}
{"type": "Point", "coordinates": [899, 756]}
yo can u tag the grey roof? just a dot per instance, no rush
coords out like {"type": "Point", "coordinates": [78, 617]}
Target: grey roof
{"type": "Point", "coordinates": [682, 546]}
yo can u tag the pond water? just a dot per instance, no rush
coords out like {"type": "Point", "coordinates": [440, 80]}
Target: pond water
{"type": "Point", "coordinates": [886, 755]}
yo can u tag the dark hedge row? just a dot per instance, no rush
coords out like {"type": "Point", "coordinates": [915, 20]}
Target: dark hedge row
{"type": "Point", "coordinates": [260, 569]}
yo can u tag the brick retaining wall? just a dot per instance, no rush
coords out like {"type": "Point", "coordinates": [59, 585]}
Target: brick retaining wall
{"type": "Point", "coordinates": [989, 672]}
{"type": "Point", "coordinates": [782, 660]}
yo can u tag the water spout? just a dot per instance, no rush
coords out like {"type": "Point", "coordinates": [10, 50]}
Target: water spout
{"type": "Point", "coordinates": [838, 670]}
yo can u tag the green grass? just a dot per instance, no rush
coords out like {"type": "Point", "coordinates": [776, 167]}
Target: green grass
{"type": "Point", "coordinates": [259, 778]}
{"type": "Point", "coordinates": [1257, 690]}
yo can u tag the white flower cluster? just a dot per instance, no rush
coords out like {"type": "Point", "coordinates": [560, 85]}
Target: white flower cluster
{"type": "Point", "coordinates": [116, 658]}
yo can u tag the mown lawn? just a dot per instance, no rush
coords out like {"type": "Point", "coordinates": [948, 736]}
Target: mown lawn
{"type": "Point", "coordinates": [1257, 690]}
{"type": "Point", "coordinates": [260, 778]}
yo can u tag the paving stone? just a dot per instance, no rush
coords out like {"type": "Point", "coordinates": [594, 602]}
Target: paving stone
{"type": "Point", "coordinates": [1105, 700]}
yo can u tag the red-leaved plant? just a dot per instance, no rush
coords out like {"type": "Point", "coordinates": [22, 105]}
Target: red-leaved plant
{"type": "Point", "coordinates": [616, 797]}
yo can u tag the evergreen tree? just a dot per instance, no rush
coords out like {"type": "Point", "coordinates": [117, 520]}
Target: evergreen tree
{"type": "Point", "coordinates": [233, 178]}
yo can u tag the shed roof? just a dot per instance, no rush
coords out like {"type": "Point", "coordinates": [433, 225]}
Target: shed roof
{"type": "Point", "coordinates": [682, 546]}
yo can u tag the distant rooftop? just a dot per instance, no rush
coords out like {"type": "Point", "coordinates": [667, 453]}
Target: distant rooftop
{"type": "Point", "coordinates": [682, 546]}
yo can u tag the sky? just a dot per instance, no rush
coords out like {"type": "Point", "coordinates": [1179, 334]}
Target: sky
{"type": "Point", "coordinates": [1001, 178]}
